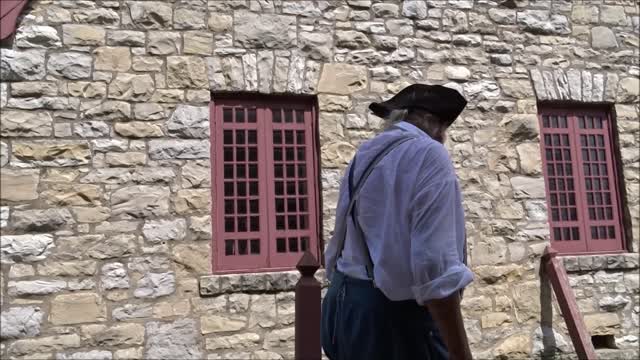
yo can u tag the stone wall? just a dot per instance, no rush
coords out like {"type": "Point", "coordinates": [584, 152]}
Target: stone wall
{"type": "Point", "coordinates": [105, 181]}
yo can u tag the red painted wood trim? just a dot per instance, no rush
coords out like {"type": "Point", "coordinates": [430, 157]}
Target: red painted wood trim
{"type": "Point", "coordinates": [575, 324]}
{"type": "Point", "coordinates": [307, 316]}
{"type": "Point", "coordinates": [9, 12]}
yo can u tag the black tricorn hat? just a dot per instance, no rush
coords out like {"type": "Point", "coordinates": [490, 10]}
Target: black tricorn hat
{"type": "Point", "coordinates": [441, 101]}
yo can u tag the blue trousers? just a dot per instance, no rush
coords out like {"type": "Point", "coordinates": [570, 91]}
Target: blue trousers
{"type": "Point", "coordinates": [360, 322]}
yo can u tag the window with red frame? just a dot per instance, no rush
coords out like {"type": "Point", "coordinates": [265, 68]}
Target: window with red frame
{"type": "Point", "coordinates": [265, 194]}
{"type": "Point", "coordinates": [581, 180]}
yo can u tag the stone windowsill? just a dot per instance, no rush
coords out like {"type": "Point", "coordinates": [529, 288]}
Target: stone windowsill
{"type": "Point", "coordinates": [213, 285]}
{"type": "Point", "coordinates": [626, 261]}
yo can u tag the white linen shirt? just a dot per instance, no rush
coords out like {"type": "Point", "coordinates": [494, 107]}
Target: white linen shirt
{"type": "Point", "coordinates": [410, 211]}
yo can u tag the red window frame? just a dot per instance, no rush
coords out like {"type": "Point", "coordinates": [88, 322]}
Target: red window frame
{"type": "Point", "coordinates": [265, 190]}
{"type": "Point", "coordinates": [581, 178]}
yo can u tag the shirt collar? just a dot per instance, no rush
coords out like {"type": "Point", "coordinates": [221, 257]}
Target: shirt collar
{"type": "Point", "coordinates": [411, 128]}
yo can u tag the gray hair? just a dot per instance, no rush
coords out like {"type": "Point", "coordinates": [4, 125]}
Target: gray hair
{"type": "Point", "coordinates": [397, 115]}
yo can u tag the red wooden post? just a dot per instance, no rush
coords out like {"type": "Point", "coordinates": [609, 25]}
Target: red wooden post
{"type": "Point", "coordinates": [575, 324]}
{"type": "Point", "coordinates": [307, 336]}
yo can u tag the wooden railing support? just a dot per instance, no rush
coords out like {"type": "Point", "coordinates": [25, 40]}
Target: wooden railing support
{"type": "Point", "coordinates": [557, 274]}
{"type": "Point", "coordinates": [308, 299]}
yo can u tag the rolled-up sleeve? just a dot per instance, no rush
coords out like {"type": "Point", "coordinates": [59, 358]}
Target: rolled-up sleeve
{"type": "Point", "coordinates": [438, 236]}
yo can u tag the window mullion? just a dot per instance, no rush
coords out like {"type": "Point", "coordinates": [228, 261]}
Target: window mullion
{"type": "Point", "coordinates": [581, 192]}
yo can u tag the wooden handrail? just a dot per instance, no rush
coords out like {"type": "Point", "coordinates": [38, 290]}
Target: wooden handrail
{"type": "Point", "coordinates": [307, 318]}
{"type": "Point", "coordinates": [556, 273]}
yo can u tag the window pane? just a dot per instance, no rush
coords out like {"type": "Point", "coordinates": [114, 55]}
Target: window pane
{"type": "Point", "coordinates": [254, 206]}
{"type": "Point", "coordinates": [254, 223]}
{"type": "Point", "coordinates": [293, 244]}
{"type": "Point", "coordinates": [299, 116]}
{"type": "Point", "coordinates": [277, 137]}
{"type": "Point", "coordinates": [288, 137]}
{"type": "Point", "coordinates": [300, 137]}
{"type": "Point", "coordinates": [277, 115]}
{"type": "Point", "coordinates": [288, 116]}
{"type": "Point", "coordinates": [281, 245]}
{"type": "Point", "coordinates": [240, 137]}
{"type": "Point", "coordinates": [228, 137]}
{"type": "Point", "coordinates": [242, 224]}
{"type": "Point", "coordinates": [241, 154]}
{"type": "Point", "coordinates": [255, 247]}
{"type": "Point", "coordinates": [229, 248]}
{"type": "Point", "coordinates": [253, 188]}
{"type": "Point", "coordinates": [253, 137]}
{"type": "Point", "coordinates": [229, 207]}
{"type": "Point", "coordinates": [242, 247]}
{"type": "Point", "coordinates": [239, 115]}
{"type": "Point", "coordinates": [253, 154]}
{"type": "Point", "coordinates": [252, 116]}
{"type": "Point", "coordinates": [227, 115]}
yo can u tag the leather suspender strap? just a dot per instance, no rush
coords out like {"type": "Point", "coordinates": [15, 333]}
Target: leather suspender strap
{"type": "Point", "coordinates": [354, 193]}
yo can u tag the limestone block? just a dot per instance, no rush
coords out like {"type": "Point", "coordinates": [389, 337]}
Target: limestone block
{"type": "Point", "coordinates": [77, 308]}
{"type": "Point", "coordinates": [150, 14]}
{"type": "Point", "coordinates": [343, 79]}
{"type": "Point", "coordinates": [36, 36]}
{"type": "Point", "coordinates": [52, 153]}
{"type": "Point", "coordinates": [164, 43]}
{"type": "Point", "coordinates": [18, 123]}
{"type": "Point", "coordinates": [260, 31]}
{"type": "Point", "coordinates": [22, 65]}
{"type": "Point", "coordinates": [186, 72]}
{"type": "Point", "coordinates": [41, 220]}
{"type": "Point", "coordinates": [602, 323]}
{"type": "Point", "coordinates": [176, 340]}
{"type": "Point", "coordinates": [20, 322]}
{"type": "Point", "coordinates": [154, 285]}
{"type": "Point", "coordinates": [114, 276]}
{"type": "Point", "coordinates": [35, 287]}
{"type": "Point", "coordinates": [116, 59]}
{"type": "Point", "coordinates": [157, 231]}
{"type": "Point", "coordinates": [215, 324]}
{"type": "Point", "coordinates": [25, 248]}
{"type": "Point", "coordinates": [44, 344]}
{"type": "Point", "coordinates": [84, 35]}
{"type": "Point", "coordinates": [132, 87]}
{"type": "Point", "coordinates": [192, 200]}
{"type": "Point", "coordinates": [140, 201]}
{"type": "Point", "coordinates": [178, 149]}
{"type": "Point", "coordinates": [68, 268]}
{"type": "Point", "coordinates": [71, 65]}
{"type": "Point", "coordinates": [189, 122]}
{"type": "Point", "coordinates": [193, 257]}
{"type": "Point", "coordinates": [137, 130]}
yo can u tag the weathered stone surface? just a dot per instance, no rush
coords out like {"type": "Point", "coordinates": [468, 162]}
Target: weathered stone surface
{"type": "Point", "coordinates": [77, 308]}
{"type": "Point", "coordinates": [147, 63]}
{"type": "Point", "coordinates": [20, 322]}
{"type": "Point", "coordinates": [126, 159]}
{"type": "Point", "coordinates": [95, 246]}
{"type": "Point", "coordinates": [189, 17]}
{"type": "Point", "coordinates": [154, 285]}
{"type": "Point", "coordinates": [114, 276]}
{"type": "Point", "coordinates": [526, 187]}
{"type": "Point", "coordinates": [91, 129]}
{"type": "Point", "coordinates": [44, 345]}
{"type": "Point", "coordinates": [147, 175]}
{"type": "Point", "coordinates": [602, 323]}
{"type": "Point", "coordinates": [541, 22]}
{"type": "Point", "coordinates": [86, 355]}
{"type": "Point", "coordinates": [530, 160]}
{"type": "Point", "coordinates": [132, 311]}
{"type": "Point", "coordinates": [109, 110]}
{"type": "Point", "coordinates": [68, 268]}
{"type": "Point", "coordinates": [117, 335]}
{"type": "Point", "coordinates": [200, 227]}
{"type": "Point", "coordinates": [17, 123]}
{"type": "Point", "coordinates": [458, 73]}
{"type": "Point", "coordinates": [342, 79]}
{"type": "Point", "coordinates": [609, 303]}
{"type": "Point", "coordinates": [186, 72]}
{"type": "Point", "coordinates": [136, 129]}
{"type": "Point", "coordinates": [352, 40]}
{"type": "Point", "coordinates": [198, 42]}
{"type": "Point", "coordinates": [25, 248]}
{"type": "Point", "coordinates": [35, 287]}
{"type": "Point", "coordinates": [125, 38]}
{"type": "Point", "coordinates": [215, 324]}
{"type": "Point", "coordinates": [35, 36]}
{"type": "Point", "coordinates": [164, 43]}
{"type": "Point", "coordinates": [613, 15]}
{"type": "Point", "coordinates": [4, 154]}
{"type": "Point", "coordinates": [117, 59]}
{"type": "Point", "coordinates": [71, 65]}
{"type": "Point", "coordinates": [239, 341]}
{"type": "Point", "coordinates": [628, 90]}
{"type": "Point", "coordinates": [86, 35]}
{"type": "Point", "coordinates": [131, 87]}
{"type": "Point", "coordinates": [318, 46]}
{"type": "Point", "coordinates": [176, 340]}
{"type": "Point", "coordinates": [193, 256]}
{"type": "Point", "coordinates": [53, 154]}
{"type": "Point", "coordinates": [219, 23]}
{"type": "Point", "coordinates": [489, 251]}
{"type": "Point", "coordinates": [22, 65]}
{"type": "Point", "coordinates": [519, 89]}
{"type": "Point", "coordinates": [140, 201]}
{"type": "Point", "coordinates": [42, 220]}
{"type": "Point", "coordinates": [150, 14]}
{"type": "Point", "coordinates": [257, 31]}
{"type": "Point", "coordinates": [192, 200]}
{"type": "Point", "coordinates": [603, 38]}
{"type": "Point", "coordinates": [415, 9]}
{"type": "Point", "coordinates": [189, 122]}
{"type": "Point", "coordinates": [158, 231]}
{"type": "Point", "coordinates": [515, 346]}
{"type": "Point", "coordinates": [196, 175]}
{"type": "Point", "coordinates": [178, 149]}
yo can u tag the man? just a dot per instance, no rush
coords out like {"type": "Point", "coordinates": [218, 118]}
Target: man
{"type": "Point", "coordinates": [397, 259]}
